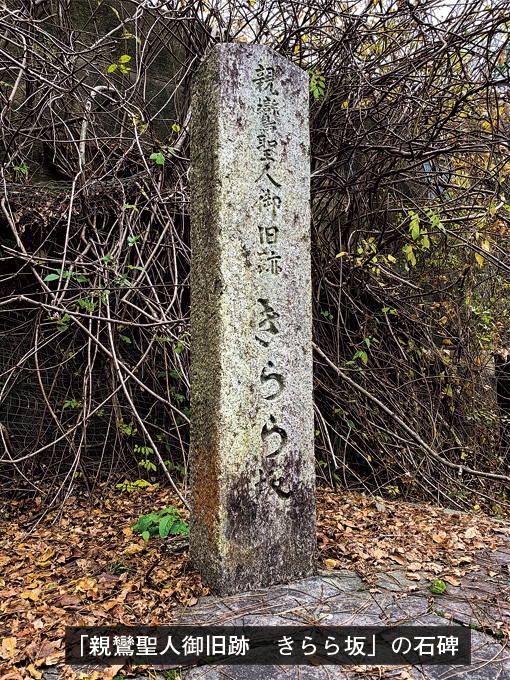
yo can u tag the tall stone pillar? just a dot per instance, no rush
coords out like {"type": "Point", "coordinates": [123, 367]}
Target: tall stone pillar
{"type": "Point", "coordinates": [253, 518]}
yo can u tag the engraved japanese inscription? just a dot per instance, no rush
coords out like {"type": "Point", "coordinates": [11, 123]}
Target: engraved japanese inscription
{"type": "Point", "coordinates": [253, 486]}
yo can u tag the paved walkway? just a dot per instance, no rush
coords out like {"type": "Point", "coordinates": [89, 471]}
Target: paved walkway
{"type": "Point", "coordinates": [342, 598]}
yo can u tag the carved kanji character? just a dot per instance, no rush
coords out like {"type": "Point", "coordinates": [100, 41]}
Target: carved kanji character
{"type": "Point", "coordinates": [268, 235]}
{"type": "Point", "coordinates": [265, 79]}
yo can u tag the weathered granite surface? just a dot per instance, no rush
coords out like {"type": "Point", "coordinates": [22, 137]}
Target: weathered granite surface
{"type": "Point", "coordinates": [342, 598]}
{"type": "Point", "coordinates": [253, 483]}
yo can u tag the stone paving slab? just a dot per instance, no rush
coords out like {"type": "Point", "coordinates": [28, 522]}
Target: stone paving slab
{"type": "Point", "coordinates": [489, 662]}
{"type": "Point", "coordinates": [342, 598]}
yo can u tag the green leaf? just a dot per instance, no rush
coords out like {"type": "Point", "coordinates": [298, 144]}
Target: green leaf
{"type": "Point", "coordinates": [165, 525]}
{"type": "Point", "coordinates": [437, 587]}
{"type": "Point", "coordinates": [145, 535]}
{"type": "Point", "coordinates": [112, 68]}
{"type": "Point", "coordinates": [52, 277]}
{"type": "Point", "coordinates": [317, 83]}
{"type": "Point", "coordinates": [415, 225]}
{"type": "Point", "coordinates": [158, 157]}
{"type": "Point", "coordinates": [124, 59]}
{"type": "Point", "coordinates": [435, 221]}
{"type": "Point", "coordinates": [125, 338]}
{"type": "Point", "coordinates": [180, 527]}
{"type": "Point", "coordinates": [408, 250]}
{"type": "Point", "coordinates": [143, 524]}
{"type": "Point", "coordinates": [142, 482]}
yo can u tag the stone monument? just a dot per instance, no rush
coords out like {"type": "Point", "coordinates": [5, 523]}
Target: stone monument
{"type": "Point", "coordinates": [253, 518]}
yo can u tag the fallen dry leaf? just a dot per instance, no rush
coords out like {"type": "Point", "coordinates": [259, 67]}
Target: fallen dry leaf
{"type": "Point", "coordinates": [331, 564]}
{"type": "Point", "coordinates": [8, 648]}
{"type": "Point", "coordinates": [47, 653]}
{"type": "Point", "coordinates": [29, 595]}
{"type": "Point", "coordinates": [67, 600]}
{"type": "Point", "coordinates": [109, 604]}
{"type": "Point", "coordinates": [34, 672]}
{"type": "Point", "coordinates": [133, 549]}
{"type": "Point", "coordinates": [414, 566]}
{"type": "Point", "coordinates": [111, 672]}
{"type": "Point", "coordinates": [452, 580]}
{"type": "Point", "coordinates": [85, 584]}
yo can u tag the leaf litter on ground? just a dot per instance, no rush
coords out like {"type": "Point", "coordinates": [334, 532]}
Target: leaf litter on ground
{"type": "Point", "coordinates": [84, 566]}
{"type": "Point", "coordinates": [353, 532]}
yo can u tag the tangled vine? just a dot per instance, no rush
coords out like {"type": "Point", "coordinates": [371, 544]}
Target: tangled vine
{"type": "Point", "coordinates": [410, 121]}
